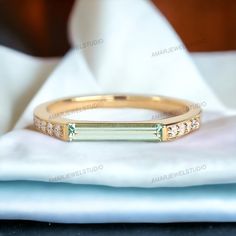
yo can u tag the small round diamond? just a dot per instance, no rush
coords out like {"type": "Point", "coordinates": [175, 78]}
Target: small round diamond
{"type": "Point", "coordinates": [43, 125]}
{"type": "Point", "coordinates": [58, 131]}
{"type": "Point", "coordinates": [50, 129]}
{"type": "Point", "coordinates": [181, 128]}
{"type": "Point", "coordinates": [172, 131]}
{"type": "Point", "coordinates": [37, 122]}
{"type": "Point", "coordinates": [195, 124]}
{"type": "Point", "coordinates": [188, 126]}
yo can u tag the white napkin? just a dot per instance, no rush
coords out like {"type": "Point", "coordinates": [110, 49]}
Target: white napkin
{"type": "Point", "coordinates": [122, 61]}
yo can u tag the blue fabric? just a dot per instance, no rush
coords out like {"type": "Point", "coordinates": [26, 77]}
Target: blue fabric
{"type": "Point", "coordinates": [69, 203]}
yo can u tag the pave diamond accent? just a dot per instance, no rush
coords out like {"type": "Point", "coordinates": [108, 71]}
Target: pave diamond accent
{"type": "Point", "coordinates": [182, 128]}
{"type": "Point", "coordinates": [195, 124]}
{"type": "Point", "coordinates": [51, 129]}
{"type": "Point", "coordinates": [37, 122]}
{"type": "Point", "coordinates": [58, 130]}
{"type": "Point", "coordinates": [172, 131]}
{"type": "Point", "coordinates": [188, 126]}
{"type": "Point", "coordinates": [43, 125]}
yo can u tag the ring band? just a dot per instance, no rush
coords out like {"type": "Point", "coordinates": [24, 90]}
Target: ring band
{"type": "Point", "coordinates": [185, 118]}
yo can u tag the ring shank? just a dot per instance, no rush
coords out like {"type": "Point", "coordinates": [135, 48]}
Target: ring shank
{"type": "Point", "coordinates": [166, 105]}
{"type": "Point", "coordinates": [51, 113]}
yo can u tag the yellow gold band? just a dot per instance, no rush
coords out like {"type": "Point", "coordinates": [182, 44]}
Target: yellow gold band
{"type": "Point", "coordinates": [185, 118]}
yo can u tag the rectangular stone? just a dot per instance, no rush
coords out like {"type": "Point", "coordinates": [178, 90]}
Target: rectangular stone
{"type": "Point", "coordinates": [118, 131]}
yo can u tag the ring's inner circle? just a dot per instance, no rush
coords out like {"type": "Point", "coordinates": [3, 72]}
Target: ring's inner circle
{"type": "Point", "coordinates": [162, 105]}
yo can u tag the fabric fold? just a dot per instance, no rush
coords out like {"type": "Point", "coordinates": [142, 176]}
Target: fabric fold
{"type": "Point", "coordinates": [28, 155]}
{"type": "Point", "coordinates": [65, 203]}
{"type": "Point", "coordinates": [124, 62]}
{"type": "Point", "coordinates": [20, 76]}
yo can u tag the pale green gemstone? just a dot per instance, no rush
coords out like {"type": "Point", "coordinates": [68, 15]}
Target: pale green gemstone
{"type": "Point", "coordinates": [158, 133]}
{"type": "Point", "coordinates": [71, 131]}
{"type": "Point", "coordinates": [99, 131]}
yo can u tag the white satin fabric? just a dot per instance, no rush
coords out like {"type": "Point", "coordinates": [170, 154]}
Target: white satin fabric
{"type": "Point", "coordinates": [129, 32]}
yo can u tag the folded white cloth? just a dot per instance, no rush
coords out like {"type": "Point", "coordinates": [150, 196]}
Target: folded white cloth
{"type": "Point", "coordinates": [20, 78]}
{"type": "Point", "coordinates": [124, 59]}
{"type": "Point", "coordinates": [219, 70]}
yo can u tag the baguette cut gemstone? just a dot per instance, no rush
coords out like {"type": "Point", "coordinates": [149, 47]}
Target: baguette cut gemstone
{"type": "Point", "coordinates": [71, 131]}
{"type": "Point", "coordinates": [118, 131]}
{"type": "Point", "coordinates": [158, 133]}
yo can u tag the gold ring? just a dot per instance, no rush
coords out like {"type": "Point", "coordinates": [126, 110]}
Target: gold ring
{"type": "Point", "coordinates": [184, 118]}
